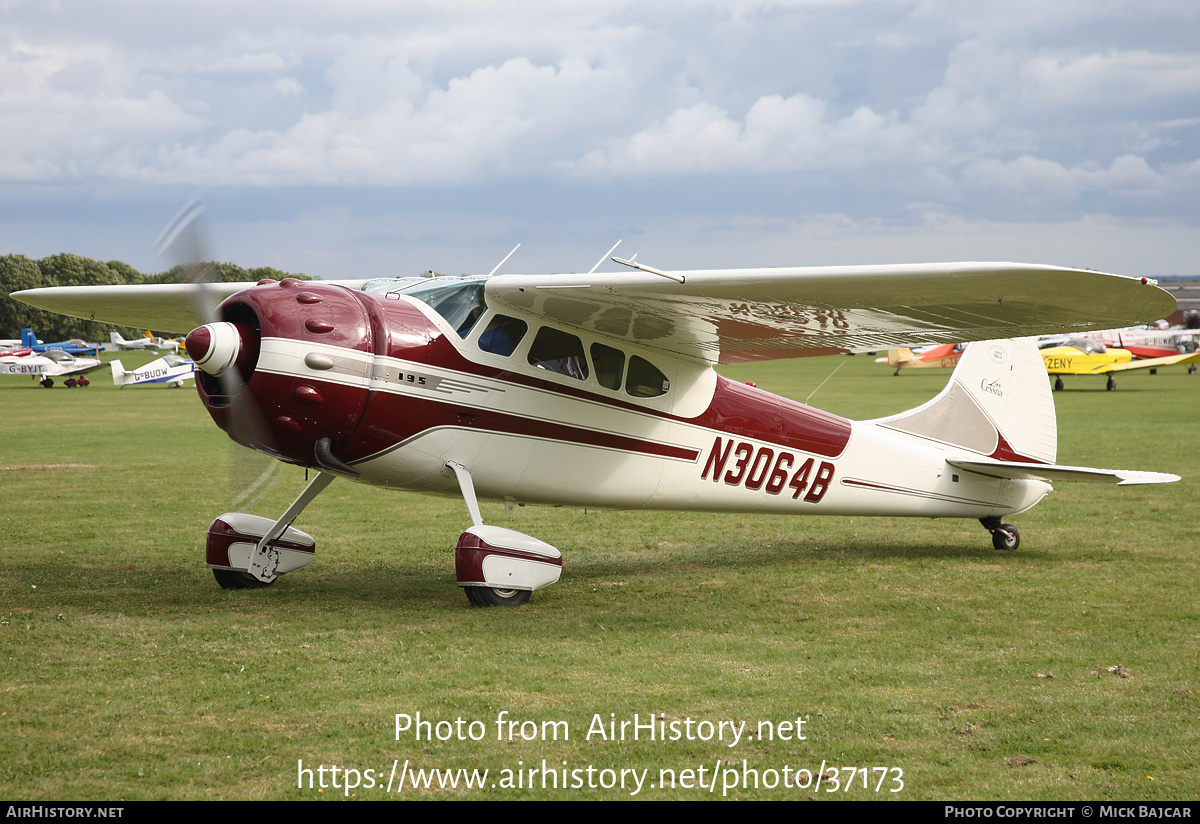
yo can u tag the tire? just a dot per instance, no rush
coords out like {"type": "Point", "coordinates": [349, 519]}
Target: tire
{"type": "Point", "coordinates": [1058, 385]}
{"type": "Point", "coordinates": [1112, 384]}
{"type": "Point", "coordinates": [232, 579]}
{"type": "Point", "coordinates": [489, 597]}
{"type": "Point", "coordinates": [1006, 537]}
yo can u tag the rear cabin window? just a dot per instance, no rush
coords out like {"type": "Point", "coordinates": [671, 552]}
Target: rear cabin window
{"type": "Point", "coordinates": [645, 380]}
{"type": "Point", "coordinates": [609, 363]}
{"type": "Point", "coordinates": [559, 352]}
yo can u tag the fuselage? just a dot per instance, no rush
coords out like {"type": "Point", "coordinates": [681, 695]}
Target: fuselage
{"type": "Point", "coordinates": [398, 386]}
{"type": "Point", "coordinates": [1071, 360]}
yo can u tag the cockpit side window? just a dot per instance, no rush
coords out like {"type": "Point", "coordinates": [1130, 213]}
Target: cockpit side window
{"type": "Point", "coordinates": [502, 335]}
{"type": "Point", "coordinates": [559, 352]}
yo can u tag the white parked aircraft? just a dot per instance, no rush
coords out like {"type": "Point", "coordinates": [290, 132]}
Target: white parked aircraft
{"type": "Point", "coordinates": [145, 344]}
{"type": "Point", "coordinates": [52, 363]}
{"type": "Point", "coordinates": [599, 390]}
{"type": "Point", "coordinates": [172, 370]}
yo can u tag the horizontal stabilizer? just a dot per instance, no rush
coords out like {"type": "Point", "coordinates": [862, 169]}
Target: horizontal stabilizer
{"type": "Point", "coordinates": [1015, 470]}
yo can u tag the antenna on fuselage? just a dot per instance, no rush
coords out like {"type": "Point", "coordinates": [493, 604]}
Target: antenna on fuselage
{"type": "Point", "coordinates": [506, 257]}
{"type": "Point", "coordinates": [601, 260]}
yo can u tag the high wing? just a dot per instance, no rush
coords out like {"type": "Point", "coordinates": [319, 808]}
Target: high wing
{"type": "Point", "coordinates": [169, 307]}
{"type": "Point", "coordinates": [165, 306]}
{"type": "Point", "coordinates": [738, 315]}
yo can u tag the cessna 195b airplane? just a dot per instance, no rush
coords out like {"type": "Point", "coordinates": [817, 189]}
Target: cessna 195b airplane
{"type": "Point", "coordinates": [599, 390]}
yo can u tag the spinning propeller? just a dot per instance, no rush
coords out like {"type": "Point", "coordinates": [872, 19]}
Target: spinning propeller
{"type": "Point", "coordinates": [225, 354]}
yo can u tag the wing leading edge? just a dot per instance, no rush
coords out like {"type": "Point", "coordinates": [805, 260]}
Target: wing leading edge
{"type": "Point", "coordinates": [166, 307]}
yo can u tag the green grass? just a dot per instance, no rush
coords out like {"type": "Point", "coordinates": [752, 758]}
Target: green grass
{"type": "Point", "coordinates": [911, 644]}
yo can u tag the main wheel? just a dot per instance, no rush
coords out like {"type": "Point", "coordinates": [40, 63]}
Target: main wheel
{"type": "Point", "coordinates": [1006, 537]}
{"type": "Point", "coordinates": [490, 597]}
{"type": "Point", "coordinates": [1058, 384]}
{"type": "Point", "coordinates": [232, 579]}
{"type": "Point", "coordinates": [1112, 384]}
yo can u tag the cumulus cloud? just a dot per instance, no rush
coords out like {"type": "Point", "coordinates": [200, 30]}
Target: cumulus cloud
{"type": "Point", "coordinates": [778, 134]}
{"type": "Point", "coordinates": [1112, 78]}
{"type": "Point", "coordinates": [1126, 175]}
{"type": "Point", "coordinates": [68, 110]}
{"type": "Point", "coordinates": [495, 121]}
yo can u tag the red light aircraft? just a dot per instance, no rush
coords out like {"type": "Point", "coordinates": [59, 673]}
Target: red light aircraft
{"type": "Point", "coordinates": [599, 390]}
{"type": "Point", "coordinates": [1156, 341]}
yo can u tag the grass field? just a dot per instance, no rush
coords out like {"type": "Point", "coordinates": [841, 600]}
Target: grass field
{"type": "Point", "coordinates": [1065, 670]}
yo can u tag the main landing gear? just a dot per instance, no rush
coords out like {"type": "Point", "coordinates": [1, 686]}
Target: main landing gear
{"type": "Point", "coordinates": [1004, 536]}
{"type": "Point", "coordinates": [494, 597]}
{"type": "Point", "coordinates": [496, 566]}
{"type": "Point", "coordinates": [232, 579]}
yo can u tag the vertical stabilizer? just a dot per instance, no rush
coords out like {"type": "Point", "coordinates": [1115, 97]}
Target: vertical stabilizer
{"type": "Point", "coordinates": [998, 403]}
{"type": "Point", "coordinates": [118, 371]}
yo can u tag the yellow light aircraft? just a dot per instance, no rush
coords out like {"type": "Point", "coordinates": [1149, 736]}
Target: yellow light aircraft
{"type": "Point", "coordinates": [1088, 356]}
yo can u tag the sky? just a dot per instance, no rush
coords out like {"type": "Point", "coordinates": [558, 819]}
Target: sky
{"type": "Point", "coordinates": [369, 138]}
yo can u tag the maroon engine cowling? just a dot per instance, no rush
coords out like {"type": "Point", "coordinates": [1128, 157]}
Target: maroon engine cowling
{"type": "Point", "coordinates": [287, 415]}
{"type": "Point", "coordinates": [291, 417]}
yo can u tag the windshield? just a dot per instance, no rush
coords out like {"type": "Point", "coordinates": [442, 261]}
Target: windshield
{"type": "Point", "coordinates": [458, 300]}
{"type": "Point", "coordinates": [1089, 346]}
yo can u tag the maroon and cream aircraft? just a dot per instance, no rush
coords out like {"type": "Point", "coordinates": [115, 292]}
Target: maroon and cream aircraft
{"type": "Point", "coordinates": [599, 390]}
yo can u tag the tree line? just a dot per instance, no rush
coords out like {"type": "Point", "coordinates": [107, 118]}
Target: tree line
{"type": "Point", "coordinates": [18, 272]}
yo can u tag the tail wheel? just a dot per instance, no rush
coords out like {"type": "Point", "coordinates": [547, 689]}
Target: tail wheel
{"type": "Point", "coordinates": [490, 597]}
{"type": "Point", "coordinates": [233, 579]}
{"type": "Point", "coordinates": [1006, 537]}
